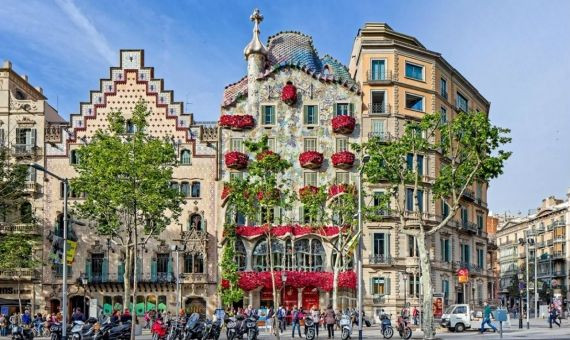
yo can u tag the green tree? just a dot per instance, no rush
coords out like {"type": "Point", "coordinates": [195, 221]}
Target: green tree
{"type": "Point", "coordinates": [126, 178]}
{"type": "Point", "coordinates": [470, 149]}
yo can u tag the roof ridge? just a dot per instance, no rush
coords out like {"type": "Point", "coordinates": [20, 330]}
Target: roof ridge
{"type": "Point", "coordinates": [335, 59]}
{"type": "Point", "coordinates": [271, 37]}
{"type": "Point", "coordinates": [234, 83]}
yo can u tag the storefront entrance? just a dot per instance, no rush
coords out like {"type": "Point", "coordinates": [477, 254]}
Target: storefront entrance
{"type": "Point", "coordinates": [266, 297]}
{"type": "Point", "coordinates": [290, 298]}
{"type": "Point", "coordinates": [310, 298]}
{"type": "Point", "coordinates": [195, 305]}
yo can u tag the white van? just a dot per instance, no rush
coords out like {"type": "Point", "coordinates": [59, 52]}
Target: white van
{"type": "Point", "coordinates": [457, 318]}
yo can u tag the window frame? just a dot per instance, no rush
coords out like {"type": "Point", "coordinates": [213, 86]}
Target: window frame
{"type": "Point", "coordinates": [417, 96]}
{"type": "Point", "coordinates": [307, 139]}
{"type": "Point", "coordinates": [183, 160]}
{"type": "Point", "coordinates": [262, 120]}
{"type": "Point", "coordinates": [458, 96]}
{"type": "Point", "coordinates": [384, 103]}
{"type": "Point", "coordinates": [422, 67]}
{"type": "Point", "coordinates": [443, 87]}
{"type": "Point", "coordinates": [310, 174]}
{"type": "Point", "coordinates": [383, 76]}
{"type": "Point", "coordinates": [315, 114]}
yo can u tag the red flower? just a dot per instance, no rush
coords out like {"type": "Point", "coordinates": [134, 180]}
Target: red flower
{"type": "Point", "coordinates": [284, 230]}
{"type": "Point", "coordinates": [236, 160]}
{"type": "Point", "coordinates": [289, 94]}
{"type": "Point", "coordinates": [237, 122]}
{"type": "Point", "coordinates": [274, 195]}
{"type": "Point", "coordinates": [343, 124]}
{"type": "Point", "coordinates": [337, 189]}
{"type": "Point", "coordinates": [308, 190]}
{"type": "Point", "coordinates": [225, 192]}
{"type": "Point", "coordinates": [296, 279]}
{"type": "Point", "coordinates": [225, 284]}
{"type": "Point", "coordinates": [344, 160]}
{"type": "Point", "coordinates": [311, 159]}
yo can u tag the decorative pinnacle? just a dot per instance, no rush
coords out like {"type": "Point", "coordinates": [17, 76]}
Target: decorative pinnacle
{"type": "Point", "coordinates": [255, 45]}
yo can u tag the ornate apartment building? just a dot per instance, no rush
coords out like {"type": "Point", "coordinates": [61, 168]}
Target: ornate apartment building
{"type": "Point", "coordinates": [548, 228]}
{"type": "Point", "coordinates": [309, 108]}
{"type": "Point", "coordinates": [24, 114]}
{"type": "Point", "coordinates": [98, 260]}
{"type": "Point", "coordinates": [401, 80]}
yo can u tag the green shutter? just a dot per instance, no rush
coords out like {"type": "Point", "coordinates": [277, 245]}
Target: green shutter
{"type": "Point", "coordinates": [372, 286]}
{"type": "Point", "coordinates": [153, 267]}
{"type": "Point", "coordinates": [388, 253]}
{"type": "Point", "coordinates": [277, 215]}
{"type": "Point", "coordinates": [170, 272]}
{"type": "Point", "coordinates": [334, 109]}
{"type": "Point", "coordinates": [105, 273]}
{"type": "Point", "coordinates": [387, 286]}
{"type": "Point", "coordinates": [305, 114]}
{"type": "Point", "coordinates": [351, 109]}
{"type": "Point", "coordinates": [121, 271]}
{"type": "Point", "coordinates": [88, 268]}
{"type": "Point", "coordinates": [139, 269]}
{"type": "Point", "coordinates": [301, 216]}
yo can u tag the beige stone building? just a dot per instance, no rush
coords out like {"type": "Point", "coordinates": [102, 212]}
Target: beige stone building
{"type": "Point", "coordinates": [401, 80]}
{"type": "Point", "coordinates": [24, 113]}
{"type": "Point", "coordinates": [549, 228]}
{"type": "Point", "coordinates": [98, 259]}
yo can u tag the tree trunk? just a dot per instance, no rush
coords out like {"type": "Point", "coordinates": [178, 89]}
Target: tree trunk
{"type": "Point", "coordinates": [427, 291]}
{"type": "Point", "coordinates": [275, 300]}
{"type": "Point", "coordinates": [127, 277]}
{"type": "Point", "coordinates": [19, 296]}
{"type": "Point", "coordinates": [134, 312]}
{"type": "Point", "coordinates": [335, 282]}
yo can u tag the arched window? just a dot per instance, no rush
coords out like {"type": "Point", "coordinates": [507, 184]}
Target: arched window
{"type": "Point", "coordinates": [74, 157]}
{"type": "Point", "coordinates": [26, 215]}
{"type": "Point", "coordinates": [260, 259]}
{"type": "Point", "coordinates": [185, 189]}
{"type": "Point", "coordinates": [195, 189]}
{"type": "Point", "coordinates": [288, 255]}
{"type": "Point", "coordinates": [195, 222]}
{"type": "Point", "coordinates": [240, 255]}
{"type": "Point", "coordinates": [174, 186]}
{"type": "Point", "coordinates": [185, 157]}
{"type": "Point", "coordinates": [193, 263]}
{"type": "Point", "coordinates": [310, 255]}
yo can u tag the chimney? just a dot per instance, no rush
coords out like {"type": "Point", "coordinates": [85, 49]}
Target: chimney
{"type": "Point", "coordinates": [7, 64]}
{"type": "Point", "coordinates": [40, 89]}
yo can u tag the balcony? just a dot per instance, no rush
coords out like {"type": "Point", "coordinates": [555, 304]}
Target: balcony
{"type": "Point", "coordinates": [480, 202]}
{"type": "Point", "coordinates": [379, 108]}
{"type": "Point", "coordinates": [381, 135]}
{"type": "Point", "coordinates": [469, 194]}
{"type": "Point", "coordinates": [380, 260]}
{"type": "Point", "coordinates": [378, 299]}
{"type": "Point", "coordinates": [385, 77]}
{"type": "Point", "coordinates": [26, 151]}
{"type": "Point", "coordinates": [558, 255]}
{"type": "Point", "coordinates": [559, 273]}
{"type": "Point", "coordinates": [560, 239]}
{"type": "Point", "coordinates": [549, 243]}
{"type": "Point", "coordinates": [100, 278]}
{"type": "Point", "coordinates": [32, 188]}
{"type": "Point", "coordinates": [20, 228]}
{"type": "Point", "coordinates": [193, 278]}
{"type": "Point", "coordinates": [540, 244]}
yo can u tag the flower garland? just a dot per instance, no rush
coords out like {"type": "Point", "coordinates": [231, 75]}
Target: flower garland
{"type": "Point", "coordinates": [237, 122]}
{"type": "Point", "coordinates": [343, 159]}
{"type": "Point", "coordinates": [337, 189]}
{"type": "Point", "coordinates": [289, 93]}
{"type": "Point", "coordinates": [284, 230]}
{"type": "Point", "coordinates": [267, 153]}
{"type": "Point", "coordinates": [343, 124]}
{"type": "Point", "coordinates": [236, 160]}
{"type": "Point", "coordinates": [297, 279]}
{"type": "Point", "coordinates": [308, 191]}
{"type": "Point", "coordinates": [311, 159]}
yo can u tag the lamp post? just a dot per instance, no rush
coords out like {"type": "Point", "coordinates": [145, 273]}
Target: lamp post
{"type": "Point", "coordinates": [64, 256]}
{"type": "Point", "coordinates": [405, 278]}
{"type": "Point", "coordinates": [521, 285]}
{"type": "Point", "coordinates": [527, 286]}
{"type": "Point", "coordinates": [360, 304]}
{"type": "Point", "coordinates": [83, 280]}
{"type": "Point", "coordinates": [177, 249]}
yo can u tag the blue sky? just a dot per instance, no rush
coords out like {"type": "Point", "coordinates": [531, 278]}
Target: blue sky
{"type": "Point", "coordinates": [515, 52]}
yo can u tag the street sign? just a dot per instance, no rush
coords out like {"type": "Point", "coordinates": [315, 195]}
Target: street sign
{"type": "Point", "coordinates": [463, 275]}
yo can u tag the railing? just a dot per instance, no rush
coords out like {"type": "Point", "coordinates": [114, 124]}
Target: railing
{"type": "Point", "coordinates": [559, 223]}
{"type": "Point", "coordinates": [141, 278]}
{"type": "Point", "coordinates": [378, 299]}
{"type": "Point", "coordinates": [544, 274]}
{"type": "Point", "coordinates": [26, 150]}
{"type": "Point", "coordinates": [559, 273]}
{"type": "Point", "coordinates": [559, 239]}
{"type": "Point", "coordinates": [558, 255]}
{"type": "Point", "coordinates": [23, 228]}
{"type": "Point", "coordinates": [32, 187]}
{"type": "Point", "coordinates": [549, 243]}
{"type": "Point", "coordinates": [372, 77]}
{"type": "Point", "coordinates": [379, 108]}
{"type": "Point", "coordinates": [469, 194]}
{"type": "Point", "coordinates": [193, 278]}
{"type": "Point", "coordinates": [380, 259]}
{"type": "Point", "coordinates": [540, 244]}
{"type": "Point", "coordinates": [550, 227]}
{"type": "Point", "coordinates": [383, 136]}
{"type": "Point", "coordinates": [481, 202]}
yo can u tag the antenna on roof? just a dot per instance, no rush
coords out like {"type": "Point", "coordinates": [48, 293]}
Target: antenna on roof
{"type": "Point", "coordinates": [187, 103]}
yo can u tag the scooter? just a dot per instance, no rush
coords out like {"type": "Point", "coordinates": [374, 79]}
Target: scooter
{"type": "Point", "coordinates": [193, 328]}
{"type": "Point", "coordinates": [345, 326]}
{"type": "Point", "coordinates": [310, 328]}
{"type": "Point", "coordinates": [235, 329]}
{"type": "Point", "coordinates": [386, 328]}
{"type": "Point", "coordinates": [252, 330]}
{"type": "Point", "coordinates": [55, 331]}
{"type": "Point", "coordinates": [403, 327]}
{"type": "Point", "coordinates": [212, 330]}
{"type": "Point", "coordinates": [21, 333]}
{"type": "Point", "coordinates": [159, 330]}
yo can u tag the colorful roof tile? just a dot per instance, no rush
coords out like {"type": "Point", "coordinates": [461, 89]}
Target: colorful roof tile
{"type": "Point", "coordinates": [294, 49]}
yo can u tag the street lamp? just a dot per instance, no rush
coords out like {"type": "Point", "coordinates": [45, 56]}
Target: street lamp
{"type": "Point", "coordinates": [525, 242]}
{"type": "Point", "coordinates": [520, 276]}
{"type": "Point", "coordinates": [83, 280]}
{"type": "Point", "coordinates": [405, 278]}
{"type": "Point", "coordinates": [284, 280]}
{"type": "Point", "coordinates": [177, 249]}
{"type": "Point", "coordinates": [65, 225]}
{"type": "Point", "coordinates": [365, 159]}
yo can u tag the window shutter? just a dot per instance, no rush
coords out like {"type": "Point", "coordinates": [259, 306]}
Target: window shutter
{"type": "Point", "coordinates": [305, 114]}
{"type": "Point", "coordinates": [33, 137]}
{"type": "Point", "coordinates": [170, 274]}
{"type": "Point", "coordinates": [277, 215]}
{"type": "Point", "coordinates": [139, 269]}
{"type": "Point", "coordinates": [351, 109]}
{"type": "Point", "coordinates": [88, 268]}
{"type": "Point", "coordinates": [372, 286]}
{"type": "Point", "coordinates": [387, 286]}
{"type": "Point", "coordinates": [301, 215]}
{"type": "Point", "coordinates": [121, 271]}
{"type": "Point", "coordinates": [387, 245]}
{"type": "Point", "coordinates": [153, 267]}
{"type": "Point", "coordinates": [105, 268]}
{"type": "Point", "coordinates": [334, 109]}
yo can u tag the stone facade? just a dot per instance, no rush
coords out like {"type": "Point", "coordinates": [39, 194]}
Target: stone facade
{"type": "Point", "coordinates": [98, 259]}
{"type": "Point", "coordinates": [401, 80]}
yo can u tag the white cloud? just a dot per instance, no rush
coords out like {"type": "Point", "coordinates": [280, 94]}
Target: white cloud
{"type": "Point", "coordinates": [93, 35]}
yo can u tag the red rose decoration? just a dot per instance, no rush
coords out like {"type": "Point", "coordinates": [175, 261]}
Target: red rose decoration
{"type": "Point", "coordinates": [289, 94]}
{"type": "Point", "coordinates": [307, 191]}
{"type": "Point", "coordinates": [297, 279]}
{"type": "Point", "coordinates": [236, 122]}
{"type": "Point", "coordinates": [311, 159]}
{"type": "Point", "coordinates": [338, 189]}
{"type": "Point", "coordinates": [236, 160]}
{"type": "Point", "coordinates": [273, 195]}
{"type": "Point", "coordinates": [343, 124]}
{"type": "Point", "coordinates": [343, 160]}
{"type": "Point", "coordinates": [287, 230]}
{"type": "Point", "coordinates": [225, 284]}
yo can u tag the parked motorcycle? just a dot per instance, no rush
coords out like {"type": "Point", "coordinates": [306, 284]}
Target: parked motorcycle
{"type": "Point", "coordinates": [84, 330]}
{"type": "Point", "coordinates": [345, 326]}
{"type": "Point", "coordinates": [159, 330]}
{"type": "Point", "coordinates": [252, 330]}
{"type": "Point", "coordinates": [212, 329]}
{"type": "Point", "coordinates": [114, 331]}
{"type": "Point", "coordinates": [386, 327]}
{"type": "Point", "coordinates": [403, 327]}
{"type": "Point", "coordinates": [22, 333]}
{"type": "Point", "coordinates": [235, 327]}
{"type": "Point", "coordinates": [55, 331]}
{"type": "Point", "coordinates": [193, 328]}
{"type": "Point", "coordinates": [311, 328]}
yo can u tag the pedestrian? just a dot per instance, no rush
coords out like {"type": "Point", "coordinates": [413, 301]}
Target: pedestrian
{"type": "Point", "coordinates": [270, 318]}
{"type": "Point", "coordinates": [296, 322]}
{"type": "Point", "coordinates": [553, 315]}
{"type": "Point", "coordinates": [38, 323]}
{"type": "Point", "coordinates": [281, 318]}
{"type": "Point", "coordinates": [2, 325]}
{"type": "Point", "coordinates": [126, 317]}
{"type": "Point", "coordinates": [147, 320]}
{"type": "Point", "coordinates": [487, 319]}
{"type": "Point", "coordinates": [77, 315]}
{"type": "Point", "coordinates": [415, 315]}
{"type": "Point", "coordinates": [330, 320]}
{"type": "Point", "coordinates": [316, 315]}
{"type": "Point", "coordinates": [26, 318]}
